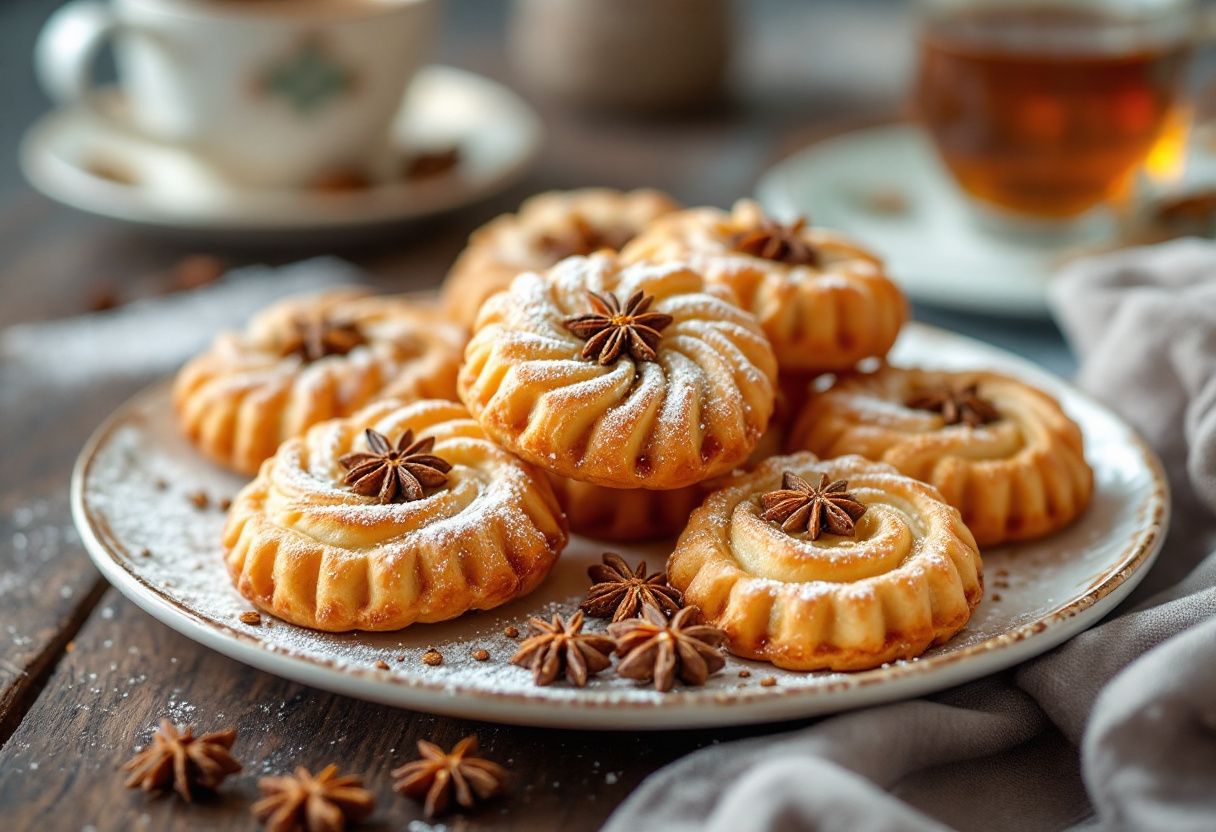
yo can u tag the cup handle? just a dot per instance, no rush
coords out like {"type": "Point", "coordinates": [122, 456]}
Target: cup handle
{"type": "Point", "coordinates": [67, 46]}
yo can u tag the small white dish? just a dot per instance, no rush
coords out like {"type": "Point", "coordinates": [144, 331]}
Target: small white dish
{"type": "Point", "coordinates": [161, 551]}
{"type": "Point", "coordinates": [885, 186]}
{"type": "Point", "coordinates": [76, 158]}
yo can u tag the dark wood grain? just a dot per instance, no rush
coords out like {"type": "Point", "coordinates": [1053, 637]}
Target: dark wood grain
{"type": "Point", "coordinates": [125, 671]}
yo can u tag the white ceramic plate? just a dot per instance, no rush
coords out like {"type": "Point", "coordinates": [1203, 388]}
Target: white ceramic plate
{"type": "Point", "coordinates": [163, 553]}
{"type": "Point", "coordinates": [933, 243]}
{"type": "Point", "coordinates": [71, 157]}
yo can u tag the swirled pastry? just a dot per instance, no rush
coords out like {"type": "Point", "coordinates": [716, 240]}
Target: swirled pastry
{"type": "Point", "coordinates": [637, 377]}
{"type": "Point", "coordinates": [824, 301]}
{"type": "Point", "coordinates": [307, 359]}
{"type": "Point", "coordinates": [841, 564]}
{"type": "Point", "coordinates": [399, 513]}
{"type": "Point", "coordinates": [547, 228]}
{"type": "Point", "coordinates": [625, 514]}
{"type": "Point", "coordinates": [1002, 452]}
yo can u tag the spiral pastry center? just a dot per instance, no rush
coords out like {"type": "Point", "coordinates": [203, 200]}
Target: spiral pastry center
{"type": "Point", "coordinates": [884, 537]}
{"type": "Point", "coordinates": [317, 504]}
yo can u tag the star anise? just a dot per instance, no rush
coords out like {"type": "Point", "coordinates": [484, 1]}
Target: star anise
{"type": "Point", "coordinates": [302, 802]}
{"type": "Point", "coordinates": [957, 405]}
{"type": "Point", "coordinates": [773, 241]}
{"type": "Point", "coordinates": [178, 758]}
{"type": "Point", "coordinates": [581, 237]}
{"type": "Point", "coordinates": [395, 475]}
{"type": "Point", "coordinates": [315, 337]}
{"type": "Point", "coordinates": [799, 506]}
{"type": "Point", "coordinates": [617, 592]}
{"type": "Point", "coordinates": [610, 330]}
{"type": "Point", "coordinates": [653, 648]}
{"type": "Point", "coordinates": [442, 775]}
{"type": "Point", "coordinates": [558, 647]}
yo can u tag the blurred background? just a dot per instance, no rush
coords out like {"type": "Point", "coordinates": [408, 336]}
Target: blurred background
{"type": "Point", "coordinates": [795, 68]}
{"type": "Point", "coordinates": [751, 83]}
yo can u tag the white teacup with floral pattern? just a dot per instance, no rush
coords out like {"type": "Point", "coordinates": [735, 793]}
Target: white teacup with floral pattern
{"type": "Point", "coordinates": [272, 93]}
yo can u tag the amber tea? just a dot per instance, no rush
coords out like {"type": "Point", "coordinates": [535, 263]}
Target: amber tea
{"type": "Point", "coordinates": [1046, 111]}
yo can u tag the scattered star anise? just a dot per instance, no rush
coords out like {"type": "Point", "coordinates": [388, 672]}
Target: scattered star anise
{"type": "Point", "coordinates": [617, 592]}
{"type": "Point", "coordinates": [799, 506]}
{"type": "Point", "coordinates": [302, 802]}
{"type": "Point", "coordinates": [610, 330]}
{"type": "Point", "coordinates": [395, 475]}
{"type": "Point", "coordinates": [558, 647]}
{"type": "Point", "coordinates": [315, 337]}
{"type": "Point", "coordinates": [653, 648]}
{"type": "Point", "coordinates": [957, 405]}
{"type": "Point", "coordinates": [773, 241]}
{"type": "Point", "coordinates": [442, 775]}
{"type": "Point", "coordinates": [178, 758]}
{"type": "Point", "coordinates": [581, 237]}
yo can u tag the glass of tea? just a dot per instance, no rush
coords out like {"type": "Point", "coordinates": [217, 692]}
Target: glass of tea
{"type": "Point", "coordinates": [1045, 110]}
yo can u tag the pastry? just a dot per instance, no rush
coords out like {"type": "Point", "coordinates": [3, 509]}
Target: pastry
{"type": "Point", "coordinates": [824, 301]}
{"type": "Point", "coordinates": [307, 359]}
{"type": "Point", "coordinates": [628, 377]}
{"type": "Point", "coordinates": [547, 228]}
{"type": "Point", "coordinates": [840, 564]}
{"type": "Point", "coordinates": [399, 513]}
{"type": "Point", "coordinates": [625, 514]}
{"type": "Point", "coordinates": [999, 450]}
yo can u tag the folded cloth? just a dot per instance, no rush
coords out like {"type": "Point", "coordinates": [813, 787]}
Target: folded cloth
{"type": "Point", "coordinates": [153, 336]}
{"type": "Point", "coordinates": [1115, 729]}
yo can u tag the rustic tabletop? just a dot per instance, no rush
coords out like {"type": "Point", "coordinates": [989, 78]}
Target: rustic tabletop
{"type": "Point", "coordinates": [85, 675]}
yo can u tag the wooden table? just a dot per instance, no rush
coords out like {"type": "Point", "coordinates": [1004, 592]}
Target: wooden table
{"type": "Point", "coordinates": [84, 674]}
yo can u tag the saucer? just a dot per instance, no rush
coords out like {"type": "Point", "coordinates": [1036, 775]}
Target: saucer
{"type": "Point", "coordinates": [74, 158]}
{"type": "Point", "coordinates": [885, 186]}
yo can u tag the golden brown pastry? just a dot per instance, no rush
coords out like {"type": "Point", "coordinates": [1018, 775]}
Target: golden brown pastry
{"type": "Point", "coordinates": [307, 359]}
{"type": "Point", "coordinates": [548, 227]}
{"type": "Point", "coordinates": [1002, 452]}
{"type": "Point", "coordinates": [824, 301]}
{"type": "Point", "coordinates": [841, 564]}
{"type": "Point", "coordinates": [399, 513]}
{"type": "Point", "coordinates": [636, 377]}
{"type": "Point", "coordinates": [625, 514]}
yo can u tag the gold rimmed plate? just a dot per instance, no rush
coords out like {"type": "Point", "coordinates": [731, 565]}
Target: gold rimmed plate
{"type": "Point", "coordinates": [149, 510]}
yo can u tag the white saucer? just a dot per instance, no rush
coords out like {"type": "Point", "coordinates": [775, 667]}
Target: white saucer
{"type": "Point", "coordinates": [72, 157]}
{"type": "Point", "coordinates": [163, 552]}
{"type": "Point", "coordinates": [934, 246]}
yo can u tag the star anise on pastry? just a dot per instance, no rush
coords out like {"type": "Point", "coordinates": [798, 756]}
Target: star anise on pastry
{"type": "Point", "coordinates": [303, 802]}
{"type": "Point", "coordinates": [772, 240]}
{"type": "Point", "coordinates": [314, 337]}
{"type": "Point", "coordinates": [558, 647]}
{"type": "Point", "coordinates": [618, 592]}
{"type": "Point", "coordinates": [179, 759]}
{"type": "Point", "coordinates": [610, 330]}
{"type": "Point", "coordinates": [580, 237]}
{"type": "Point", "coordinates": [799, 506]}
{"type": "Point", "coordinates": [395, 475]}
{"type": "Point", "coordinates": [957, 405]}
{"type": "Point", "coordinates": [443, 775]}
{"type": "Point", "coordinates": [655, 649]}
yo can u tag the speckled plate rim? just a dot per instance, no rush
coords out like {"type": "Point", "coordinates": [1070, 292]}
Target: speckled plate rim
{"type": "Point", "coordinates": [684, 708]}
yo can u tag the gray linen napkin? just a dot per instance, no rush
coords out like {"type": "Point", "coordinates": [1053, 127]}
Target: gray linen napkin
{"type": "Point", "coordinates": [150, 337]}
{"type": "Point", "coordinates": [1115, 730]}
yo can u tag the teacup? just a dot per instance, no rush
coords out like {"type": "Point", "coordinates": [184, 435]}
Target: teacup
{"type": "Point", "coordinates": [272, 93]}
